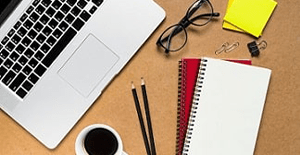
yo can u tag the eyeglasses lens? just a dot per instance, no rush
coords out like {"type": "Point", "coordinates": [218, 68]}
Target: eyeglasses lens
{"type": "Point", "coordinates": [174, 38]}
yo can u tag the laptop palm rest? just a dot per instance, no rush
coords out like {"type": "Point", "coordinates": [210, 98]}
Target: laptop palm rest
{"type": "Point", "coordinates": [88, 65]}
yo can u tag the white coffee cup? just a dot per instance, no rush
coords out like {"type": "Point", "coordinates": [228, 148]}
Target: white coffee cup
{"type": "Point", "coordinates": [81, 139]}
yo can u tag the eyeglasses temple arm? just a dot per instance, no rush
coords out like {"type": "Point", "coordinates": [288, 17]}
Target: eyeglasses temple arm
{"type": "Point", "coordinates": [215, 14]}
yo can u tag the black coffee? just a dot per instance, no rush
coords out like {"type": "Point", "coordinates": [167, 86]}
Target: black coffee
{"type": "Point", "coordinates": [100, 141]}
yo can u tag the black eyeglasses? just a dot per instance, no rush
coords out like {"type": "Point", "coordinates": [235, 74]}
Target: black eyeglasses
{"type": "Point", "coordinates": [175, 37]}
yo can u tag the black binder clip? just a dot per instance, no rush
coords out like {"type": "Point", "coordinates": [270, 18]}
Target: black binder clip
{"type": "Point", "coordinates": [254, 48]}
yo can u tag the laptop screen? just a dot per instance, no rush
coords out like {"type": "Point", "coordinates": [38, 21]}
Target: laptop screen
{"type": "Point", "coordinates": [6, 7]}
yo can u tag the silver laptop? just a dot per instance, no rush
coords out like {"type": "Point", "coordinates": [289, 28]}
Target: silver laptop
{"type": "Point", "coordinates": [57, 56]}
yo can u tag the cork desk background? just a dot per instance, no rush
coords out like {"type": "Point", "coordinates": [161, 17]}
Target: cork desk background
{"type": "Point", "coordinates": [279, 132]}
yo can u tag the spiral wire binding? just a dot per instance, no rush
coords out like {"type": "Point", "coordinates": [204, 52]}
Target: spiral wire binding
{"type": "Point", "coordinates": [196, 98]}
{"type": "Point", "coordinates": [181, 102]}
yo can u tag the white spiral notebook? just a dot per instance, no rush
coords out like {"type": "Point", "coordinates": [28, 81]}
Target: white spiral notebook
{"type": "Point", "coordinates": [228, 104]}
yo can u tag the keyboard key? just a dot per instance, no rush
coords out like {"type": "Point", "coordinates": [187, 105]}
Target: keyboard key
{"type": "Point", "coordinates": [41, 38]}
{"type": "Point", "coordinates": [20, 49]}
{"type": "Point", "coordinates": [29, 10]}
{"type": "Point", "coordinates": [23, 60]}
{"type": "Point", "coordinates": [46, 3]}
{"type": "Point", "coordinates": [71, 2]}
{"type": "Point", "coordinates": [8, 63]}
{"type": "Point", "coordinates": [32, 34]}
{"type": "Point", "coordinates": [33, 78]}
{"type": "Point", "coordinates": [36, 2]}
{"type": "Point", "coordinates": [59, 16]}
{"type": "Point", "coordinates": [11, 32]}
{"type": "Point", "coordinates": [93, 10]}
{"type": "Point", "coordinates": [4, 40]}
{"type": "Point", "coordinates": [33, 63]}
{"type": "Point", "coordinates": [28, 24]}
{"type": "Point", "coordinates": [50, 12]}
{"type": "Point", "coordinates": [53, 23]}
{"type": "Point", "coordinates": [59, 47]}
{"type": "Point", "coordinates": [21, 93]}
{"type": "Point", "coordinates": [82, 3]}
{"type": "Point", "coordinates": [44, 19]}
{"type": "Point", "coordinates": [40, 70]}
{"type": "Point", "coordinates": [39, 55]}
{"type": "Point", "coordinates": [29, 53]}
{"type": "Point", "coordinates": [3, 71]}
{"type": "Point", "coordinates": [10, 46]}
{"type": "Point", "coordinates": [23, 17]}
{"type": "Point", "coordinates": [57, 33]}
{"type": "Point", "coordinates": [69, 18]}
{"type": "Point", "coordinates": [22, 31]}
{"type": "Point", "coordinates": [40, 9]}
{"type": "Point", "coordinates": [34, 17]}
{"type": "Point", "coordinates": [16, 39]}
{"type": "Point", "coordinates": [1, 60]}
{"type": "Point", "coordinates": [14, 56]}
{"type": "Point", "coordinates": [46, 31]}
{"type": "Point", "coordinates": [75, 11]}
{"type": "Point", "coordinates": [51, 40]}
{"type": "Point", "coordinates": [17, 82]}
{"type": "Point", "coordinates": [17, 68]}
{"type": "Point", "coordinates": [27, 70]}
{"type": "Point", "coordinates": [38, 27]}
{"type": "Point", "coordinates": [97, 2]}
{"type": "Point", "coordinates": [85, 15]}
{"type": "Point", "coordinates": [63, 26]}
{"type": "Point", "coordinates": [78, 24]}
{"type": "Point", "coordinates": [65, 9]}
{"type": "Point", "coordinates": [27, 85]}
{"type": "Point", "coordinates": [56, 4]}
{"type": "Point", "coordinates": [26, 41]}
{"type": "Point", "coordinates": [35, 45]}
{"type": "Point", "coordinates": [8, 77]}
{"type": "Point", "coordinates": [17, 25]}
{"type": "Point", "coordinates": [4, 53]}
{"type": "Point", "coordinates": [45, 48]}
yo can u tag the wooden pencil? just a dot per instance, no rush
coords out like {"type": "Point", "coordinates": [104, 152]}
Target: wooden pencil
{"type": "Point", "coordinates": [148, 117]}
{"type": "Point", "coordinates": [139, 112]}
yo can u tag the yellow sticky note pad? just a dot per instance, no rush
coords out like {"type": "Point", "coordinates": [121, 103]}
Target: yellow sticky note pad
{"type": "Point", "coordinates": [250, 15]}
{"type": "Point", "coordinates": [227, 25]}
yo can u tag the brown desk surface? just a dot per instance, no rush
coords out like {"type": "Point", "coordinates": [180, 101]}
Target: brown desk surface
{"type": "Point", "coordinates": [280, 128]}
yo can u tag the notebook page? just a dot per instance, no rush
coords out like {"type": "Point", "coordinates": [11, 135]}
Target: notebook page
{"type": "Point", "coordinates": [229, 109]}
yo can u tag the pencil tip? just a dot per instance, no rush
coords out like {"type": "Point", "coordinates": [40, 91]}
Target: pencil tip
{"type": "Point", "coordinates": [132, 85]}
{"type": "Point", "coordinates": [143, 81]}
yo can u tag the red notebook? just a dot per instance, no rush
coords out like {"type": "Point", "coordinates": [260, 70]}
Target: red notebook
{"type": "Point", "coordinates": [188, 71]}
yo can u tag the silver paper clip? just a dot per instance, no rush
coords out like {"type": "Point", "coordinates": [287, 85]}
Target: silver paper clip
{"type": "Point", "coordinates": [227, 48]}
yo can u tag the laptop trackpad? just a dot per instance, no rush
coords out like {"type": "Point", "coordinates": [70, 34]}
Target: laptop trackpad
{"type": "Point", "coordinates": [88, 65]}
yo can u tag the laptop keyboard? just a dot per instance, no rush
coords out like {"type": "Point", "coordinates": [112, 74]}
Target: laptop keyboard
{"type": "Point", "coordinates": [37, 39]}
